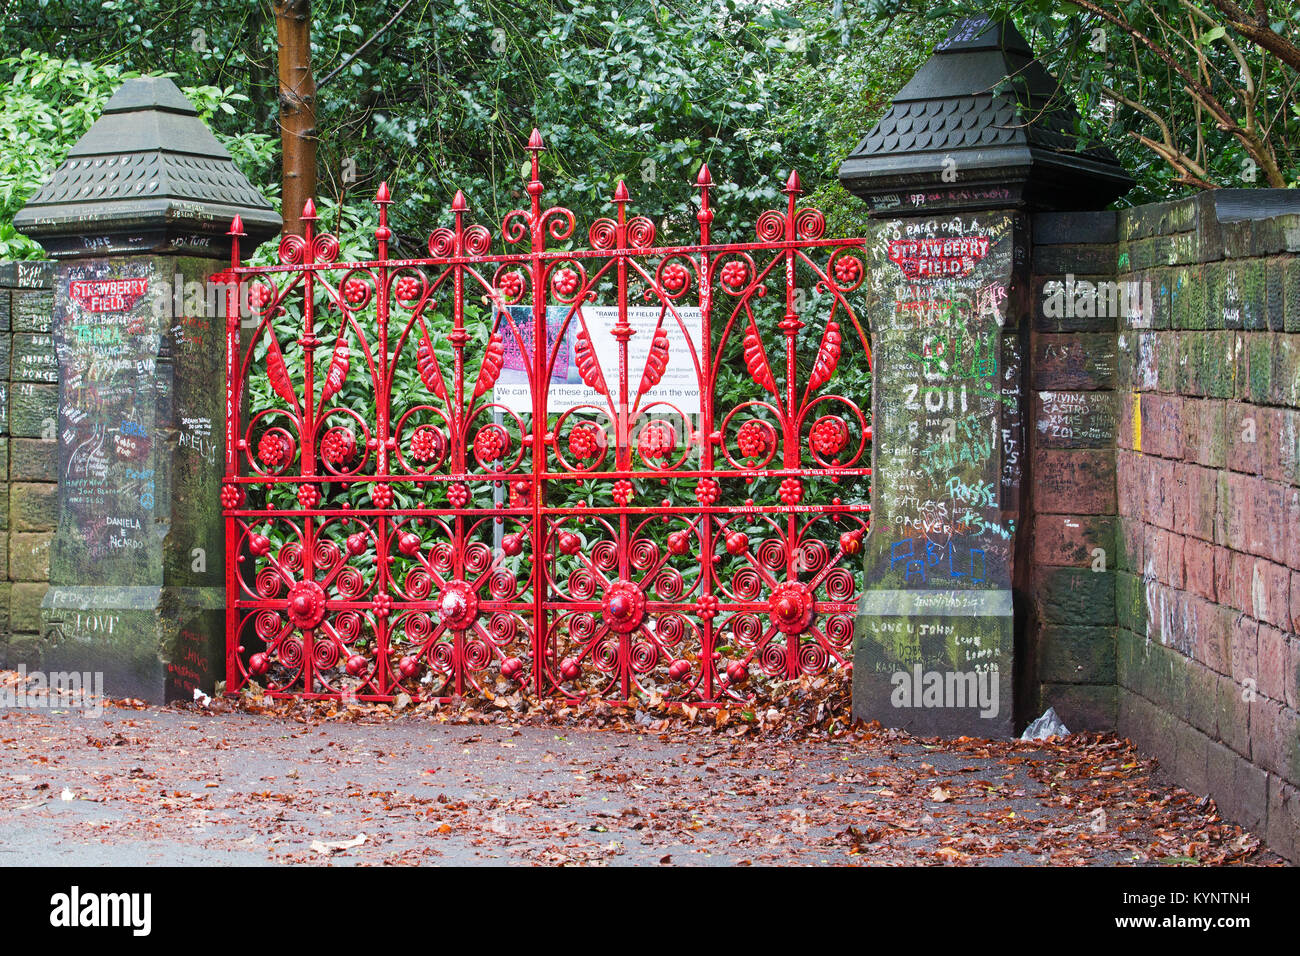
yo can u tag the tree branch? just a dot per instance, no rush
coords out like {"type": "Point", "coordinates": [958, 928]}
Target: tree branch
{"type": "Point", "coordinates": [1257, 30]}
{"type": "Point", "coordinates": [359, 50]}
{"type": "Point", "coordinates": [1174, 159]}
{"type": "Point", "coordinates": [1258, 149]}
{"type": "Point", "coordinates": [1194, 86]}
{"type": "Point", "coordinates": [1167, 150]}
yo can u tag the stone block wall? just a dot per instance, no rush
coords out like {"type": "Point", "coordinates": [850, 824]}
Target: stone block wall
{"type": "Point", "coordinates": [28, 469]}
{"type": "Point", "coordinates": [1208, 491]}
{"type": "Point", "coordinates": [1068, 660]}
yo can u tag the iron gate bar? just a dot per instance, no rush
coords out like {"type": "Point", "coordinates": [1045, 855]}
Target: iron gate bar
{"type": "Point", "coordinates": [301, 614]}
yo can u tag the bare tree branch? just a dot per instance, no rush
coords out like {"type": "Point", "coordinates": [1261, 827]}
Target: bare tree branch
{"type": "Point", "coordinates": [359, 50]}
{"type": "Point", "coordinates": [1260, 151]}
{"type": "Point", "coordinates": [1167, 150]}
{"type": "Point", "coordinates": [1174, 159]}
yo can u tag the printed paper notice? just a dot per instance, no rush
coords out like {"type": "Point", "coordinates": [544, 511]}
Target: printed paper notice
{"type": "Point", "coordinates": [679, 386]}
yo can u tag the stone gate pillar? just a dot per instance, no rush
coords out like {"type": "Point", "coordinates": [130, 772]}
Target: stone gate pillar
{"type": "Point", "coordinates": [137, 217]}
{"type": "Point", "coordinates": [950, 173]}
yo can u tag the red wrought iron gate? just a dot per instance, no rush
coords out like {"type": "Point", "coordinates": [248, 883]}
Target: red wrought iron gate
{"type": "Point", "coordinates": [607, 472]}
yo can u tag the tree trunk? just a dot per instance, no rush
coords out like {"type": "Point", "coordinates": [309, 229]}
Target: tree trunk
{"type": "Point", "coordinates": [297, 109]}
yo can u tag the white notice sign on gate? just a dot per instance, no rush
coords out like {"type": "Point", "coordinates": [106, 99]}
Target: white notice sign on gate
{"type": "Point", "coordinates": [679, 385]}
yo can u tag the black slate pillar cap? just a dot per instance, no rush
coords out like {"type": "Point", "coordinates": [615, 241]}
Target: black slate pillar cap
{"type": "Point", "coordinates": [981, 125]}
{"type": "Point", "coordinates": [147, 177]}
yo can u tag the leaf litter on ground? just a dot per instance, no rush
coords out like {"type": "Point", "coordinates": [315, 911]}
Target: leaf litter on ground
{"type": "Point", "coordinates": [787, 778]}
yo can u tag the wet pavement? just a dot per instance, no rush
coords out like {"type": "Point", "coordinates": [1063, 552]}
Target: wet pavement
{"type": "Point", "coordinates": [165, 785]}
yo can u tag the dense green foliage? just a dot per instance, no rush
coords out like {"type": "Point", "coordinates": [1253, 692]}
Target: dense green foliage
{"type": "Point", "coordinates": [446, 97]}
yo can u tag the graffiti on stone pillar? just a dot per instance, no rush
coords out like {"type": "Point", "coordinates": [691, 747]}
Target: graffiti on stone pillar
{"type": "Point", "coordinates": [107, 340]}
{"type": "Point", "coordinates": [948, 415]}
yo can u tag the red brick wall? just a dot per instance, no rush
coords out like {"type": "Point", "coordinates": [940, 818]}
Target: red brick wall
{"type": "Point", "coordinates": [1207, 474]}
